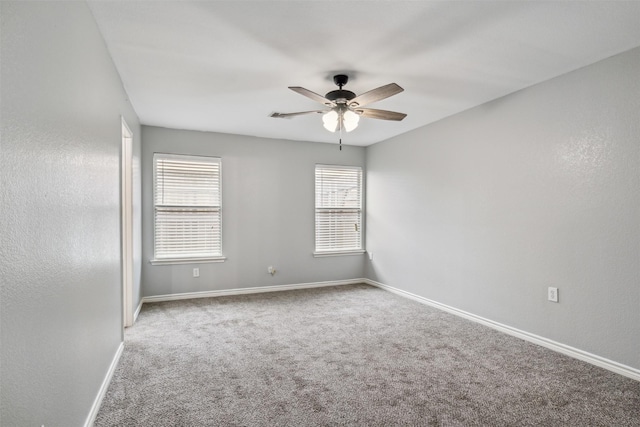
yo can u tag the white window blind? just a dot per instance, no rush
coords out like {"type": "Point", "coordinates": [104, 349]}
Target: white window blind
{"type": "Point", "coordinates": [338, 208]}
{"type": "Point", "coordinates": [187, 203]}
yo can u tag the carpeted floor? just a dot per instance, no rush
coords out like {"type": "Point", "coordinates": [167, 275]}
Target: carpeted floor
{"type": "Point", "coordinates": [347, 355]}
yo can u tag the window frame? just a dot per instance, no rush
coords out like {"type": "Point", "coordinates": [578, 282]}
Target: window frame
{"type": "Point", "coordinates": [186, 259]}
{"type": "Point", "coordinates": [360, 210]}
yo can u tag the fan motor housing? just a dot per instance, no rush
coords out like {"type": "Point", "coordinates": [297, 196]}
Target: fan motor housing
{"type": "Point", "coordinates": [340, 94]}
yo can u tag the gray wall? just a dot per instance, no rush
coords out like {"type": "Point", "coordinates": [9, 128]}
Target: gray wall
{"type": "Point", "coordinates": [267, 218]}
{"type": "Point", "coordinates": [61, 302]}
{"type": "Point", "coordinates": [484, 210]}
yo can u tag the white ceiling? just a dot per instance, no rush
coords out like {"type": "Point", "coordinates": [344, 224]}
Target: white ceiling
{"type": "Point", "coordinates": [224, 66]}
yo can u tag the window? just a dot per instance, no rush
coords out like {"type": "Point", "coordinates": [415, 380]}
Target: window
{"type": "Point", "coordinates": [187, 204]}
{"type": "Point", "coordinates": [338, 210]}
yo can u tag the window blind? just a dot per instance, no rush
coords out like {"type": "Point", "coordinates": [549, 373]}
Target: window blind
{"type": "Point", "coordinates": [187, 202]}
{"type": "Point", "coordinates": [338, 208]}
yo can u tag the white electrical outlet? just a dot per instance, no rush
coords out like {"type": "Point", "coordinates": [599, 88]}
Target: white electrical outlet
{"type": "Point", "coordinates": [370, 256]}
{"type": "Point", "coordinates": [196, 272]}
{"type": "Point", "coordinates": [271, 270]}
{"type": "Point", "coordinates": [552, 294]}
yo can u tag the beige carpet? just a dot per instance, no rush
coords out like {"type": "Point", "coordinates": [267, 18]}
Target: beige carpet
{"type": "Point", "coordinates": [348, 355]}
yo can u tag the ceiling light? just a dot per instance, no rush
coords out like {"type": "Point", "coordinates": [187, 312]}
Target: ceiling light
{"type": "Point", "coordinates": [350, 120]}
{"type": "Point", "coordinates": [333, 118]}
{"type": "Point", "coordinates": [330, 121]}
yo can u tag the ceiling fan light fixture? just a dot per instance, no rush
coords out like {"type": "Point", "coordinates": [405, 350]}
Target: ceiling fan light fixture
{"type": "Point", "coordinates": [350, 120]}
{"type": "Point", "coordinates": [344, 107]}
{"type": "Point", "coordinates": [330, 121]}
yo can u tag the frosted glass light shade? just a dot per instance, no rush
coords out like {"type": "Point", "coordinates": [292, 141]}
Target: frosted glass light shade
{"type": "Point", "coordinates": [330, 121]}
{"type": "Point", "coordinates": [350, 120]}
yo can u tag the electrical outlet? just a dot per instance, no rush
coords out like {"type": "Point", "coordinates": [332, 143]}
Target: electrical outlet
{"type": "Point", "coordinates": [370, 256]}
{"type": "Point", "coordinates": [552, 294]}
{"type": "Point", "coordinates": [196, 272]}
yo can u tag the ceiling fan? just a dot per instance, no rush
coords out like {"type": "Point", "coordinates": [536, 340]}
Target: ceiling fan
{"type": "Point", "coordinates": [344, 109]}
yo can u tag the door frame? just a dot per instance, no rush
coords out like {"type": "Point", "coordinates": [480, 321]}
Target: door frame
{"type": "Point", "coordinates": [126, 192]}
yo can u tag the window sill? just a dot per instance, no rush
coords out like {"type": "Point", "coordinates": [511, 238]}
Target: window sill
{"type": "Point", "coordinates": [338, 253]}
{"type": "Point", "coordinates": [168, 261]}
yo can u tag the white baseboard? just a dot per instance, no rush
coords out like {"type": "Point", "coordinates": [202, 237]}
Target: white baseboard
{"type": "Point", "coordinates": [243, 291]}
{"type": "Point", "coordinates": [601, 362]}
{"type": "Point", "coordinates": [135, 314]}
{"type": "Point", "coordinates": [93, 413]}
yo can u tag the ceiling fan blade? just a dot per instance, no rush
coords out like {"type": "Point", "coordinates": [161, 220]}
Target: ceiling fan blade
{"type": "Point", "coordinates": [372, 113]}
{"type": "Point", "coordinates": [376, 95]}
{"type": "Point", "coordinates": [312, 95]}
{"type": "Point", "coordinates": [289, 115]}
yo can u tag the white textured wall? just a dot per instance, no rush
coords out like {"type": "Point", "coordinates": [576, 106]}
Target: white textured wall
{"type": "Point", "coordinates": [61, 303]}
{"type": "Point", "coordinates": [484, 210]}
{"type": "Point", "coordinates": [267, 212]}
